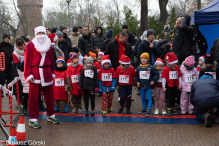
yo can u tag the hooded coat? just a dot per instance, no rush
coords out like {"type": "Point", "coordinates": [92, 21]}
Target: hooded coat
{"type": "Point", "coordinates": [86, 44]}
{"type": "Point", "coordinates": [65, 48]}
{"type": "Point", "coordinates": [8, 51]}
{"type": "Point", "coordinates": [166, 34]}
{"type": "Point", "coordinates": [99, 38]}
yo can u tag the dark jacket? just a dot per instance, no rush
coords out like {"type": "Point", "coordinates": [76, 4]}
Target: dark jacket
{"type": "Point", "coordinates": [131, 39]}
{"type": "Point", "coordinates": [164, 47]}
{"type": "Point", "coordinates": [87, 83]}
{"type": "Point", "coordinates": [136, 46]}
{"type": "Point", "coordinates": [205, 93]}
{"type": "Point", "coordinates": [66, 49]}
{"type": "Point", "coordinates": [183, 38]}
{"type": "Point", "coordinates": [7, 48]}
{"type": "Point", "coordinates": [215, 49]}
{"type": "Point", "coordinates": [86, 44]}
{"type": "Point", "coordinates": [166, 34]}
{"type": "Point", "coordinates": [202, 43]}
{"type": "Point", "coordinates": [105, 43]}
{"type": "Point", "coordinates": [112, 50]}
{"type": "Point", "coordinates": [145, 83]}
{"type": "Point", "coordinates": [144, 46]}
{"type": "Point", "coordinates": [99, 38]}
{"type": "Point", "coordinates": [67, 38]}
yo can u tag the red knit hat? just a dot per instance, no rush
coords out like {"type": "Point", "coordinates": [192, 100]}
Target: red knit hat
{"type": "Point", "coordinates": [73, 56]}
{"type": "Point", "coordinates": [172, 58]}
{"type": "Point", "coordinates": [124, 59]}
{"type": "Point", "coordinates": [202, 58]}
{"type": "Point", "coordinates": [105, 59]}
{"type": "Point", "coordinates": [53, 37]}
{"type": "Point", "coordinates": [61, 59]}
{"type": "Point", "coordinates": [158, 61]}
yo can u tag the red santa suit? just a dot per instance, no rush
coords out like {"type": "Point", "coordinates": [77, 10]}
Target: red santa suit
{"type": "Point", "coordinates": [39, 65]}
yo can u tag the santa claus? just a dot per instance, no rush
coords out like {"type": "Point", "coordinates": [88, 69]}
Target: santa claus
{"type": "Point", "coordinates": [39, 72]}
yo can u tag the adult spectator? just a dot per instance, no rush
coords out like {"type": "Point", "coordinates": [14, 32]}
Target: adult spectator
{"type": "Point", "coordinates": [118, 47]}
{"type": "Point", "coordinates": [215, 50]}
{"type": "Point", "coordinates": [74, 37]}
{"type": "Point", "coordinates": [80, 30]}
{"type": "Point", "coordinates": [138, 42]}
{"type": "Point", "coordinates": [86, 42]}
{"type": "Point", "coordinates": [99, 38]}
{"type": "Point", "coordinates": [6, 50]}
{"type": "Point", "coordinates": [148, 45]}
{"type": "Point", "coordinates": [63, 29]}
{"type": "Point", "coordinates": [64, 45]}
{"type": "Point", "coordinates": [131, 38]}
{"type": "Point", "coordinates": [183, 38]}
{"type": "Point", "coordinates": [167, 33]}
{"type": "Point", "coordinates": [93, 32]}
{"type": "Point", "coordinates": [135, 35]}
{"type": "Point", "coordinates": [109, 38]}
{"type": "Point", "coordinates": [48, 31]}
{"type": "Point", "coordinates": [204, 96]}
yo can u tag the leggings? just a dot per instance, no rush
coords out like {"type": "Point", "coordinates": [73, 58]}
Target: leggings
{"type": "Point", "coordinates": [171, 96]}
{"type": "Point", "coordinates": [159, 94]}
{"type": "Point", "coordinates": [89, 94]}
{"type": "Point", "coordinates": [143, 99]}
{"type": "Point", "coordinates": [105, 96]}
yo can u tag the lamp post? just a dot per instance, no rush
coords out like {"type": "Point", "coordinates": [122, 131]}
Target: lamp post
{"type": "Point", "coordinates": [69, 25]}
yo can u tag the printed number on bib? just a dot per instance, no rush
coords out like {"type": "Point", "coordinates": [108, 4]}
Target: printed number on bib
{"type": "Point", "coordinates": [144, 75]}
{"type": "Point", "coordinates": [106, 76]}
{"type": "Point", "coordinates": [59, 82]}
{"type": "Point", "coordinates": [190, 78]}
{"type": "Point", "coordinates": [160, 78]}
{"type": "Point", "coordinates": [75, 78]}
{"type": "Point", "coordinates": [173, 75]}
{"type": "Point", "coordinates": [213, 74]}
{"type": "Point", "coordinates": [89, 73]}
{"type": "Point", "coordinates": [124, 79]}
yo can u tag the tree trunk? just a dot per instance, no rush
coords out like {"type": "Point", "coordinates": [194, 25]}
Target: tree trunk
{"type": "Point", "coordinates": [144, 15]}
{"type": "Point", "coordinates": [163, 10]}
{"type": "Point", "coordinates": [198, 4]}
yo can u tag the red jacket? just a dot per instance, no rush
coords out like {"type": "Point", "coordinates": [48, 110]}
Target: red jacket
{"type": "Point", "coordinates": [97, 66]}
{"type": "Point", "coordinates": [172, 76]}
{"type": "Point", "coordinates": [125, 77]}
{"type": "Point", "coordinates": [110, 72]}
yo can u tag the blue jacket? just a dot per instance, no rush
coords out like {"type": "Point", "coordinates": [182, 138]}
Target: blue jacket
{"type": "Point", "coordinates": [154, 76]}
{"type": "Point", "coordinates": [205, 93]}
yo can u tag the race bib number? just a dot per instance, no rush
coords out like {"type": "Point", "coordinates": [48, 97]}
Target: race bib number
{"type": "Point", "coordinates": [59, 82]}
{"type": "Point", "coordinates": [89, 73]}
{"type": "Point", "coordinates": [213, 74]}
{"type": "Point", "coordinates": [173, 75]}
{"type": "Point", "coordinates": [144, 75]}
{"type": "Point", "coordinates": [190, 78]}
{"type": "Point", "coordinates": [124, 79]}
{"type": "Point", "coordinates": [75, 78]}
{"type": "Point", "coordinates": [106, 76]}
{"type": "Point", "coordinates": [160, 78]}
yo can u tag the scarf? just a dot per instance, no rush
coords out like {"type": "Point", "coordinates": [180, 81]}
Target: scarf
{"type": "Point", "coordinates": [60, 68]}
{"type": "Point", "coordinates": [144, 66]}
{"type": "Point", "coordinates": [74, 65]}
{"type": "Point", "coordinates": [121, 49]}
{"type": "Point", "coordinates": [170, 67]}
{"type": "Point", "coordinates": [42, 43]}
{"type": "Point", "coordinates": [125, 68]}
{"type": "Point", "coordinates": [188, 68]}
{"type": "Point", "coordinates": [19, 52]}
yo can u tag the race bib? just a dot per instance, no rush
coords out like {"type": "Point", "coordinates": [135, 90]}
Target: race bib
{"type": "Point", "coordinates": [213, 74]}
{"type": "Point", "coordinates": [124, 79]}
{"type": "Point", "coordinates": [89, 73]}
{"type": "Point", "coordinates": [160, 78]}
{"type": "Point", "coordinates": [59, 82]}
{"type": "Point", "coordinates": [144, 75]}
{"type": "Point", "coordinates": [173, 75]}
{"type": "Point", "coordinates": [75, 78]}
{"type": "Point", "coordinates": [106, 76]}
{"type": "Point", "coordinates": [190, 78]}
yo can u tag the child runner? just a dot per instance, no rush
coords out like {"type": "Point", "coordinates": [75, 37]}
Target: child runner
{"type": "Point", "coordinates": [201, 62]}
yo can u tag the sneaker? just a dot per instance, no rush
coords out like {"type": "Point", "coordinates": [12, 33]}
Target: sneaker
{"type": "Point", "coordinates": [183, 112]}
{"type": "Point", "coordinates": [208, 120]}
{"type": "Point", "coordinates": [178, 107]}
{"type": "Point", "coordinates": [128, 111]}
{"type": "Point", "coordinates": [164, 112]}
{"type": "Point", "coordinates": [35, 125]}
{"type": "Point", "coordinates": [103, 113]}
{"type": "Point", "coordinates": [118, 99]}
{"type": "Point", "coordinates": [120, 110]}
{"type": "Point", "coordinates": [191, 112]}
{"type": "Point", "coordinates": [74, 111]}
{"type": "Point", "coordinates": [148, 114]}
{"type": "Point", "coordinates": [66, 108]}
{"type": "Point", "coordinates": [143, 111]}
{"type": "Point", "coordinates": [169, 113]}
{"type": "Point", "coordinates": [109, 110]}
{"type": "Point", "coordinates": [132, 99]}
{"type": "Point", "coordinates": [56, 108]}
{"type": "Point", "coordinates": [156, 112]}
{"type": "Point", "coordinates": [79, 111]}
{"type": "Point", "coordinates": [86, 114]}
{"type": "Point", "coordinates": [53, 120]}
{"type": "Point", "coordinates": [174, 112]}
{"type": "Point", "coordinates": [92, 114]}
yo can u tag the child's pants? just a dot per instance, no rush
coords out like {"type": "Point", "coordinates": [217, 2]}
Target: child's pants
{"type": "Point", "coordinates": [89, 94]}
{"type": "Point", "coordinates": [159, 94]}
{"type": "Point", "coordinates": [105, 96]}
{"type": "Point", "coordinates": [143, 98]}
{"type": "Point", "coordinates": [171, 96]}
{"type": "Point", "coordinates": [125, 95]}
{"type": "Point", "coordinates": [185, 102]}
{"type": "Point", "coordinates": [76, 100]}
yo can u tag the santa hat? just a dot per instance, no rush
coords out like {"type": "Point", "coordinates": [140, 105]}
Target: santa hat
{"type": "Point", "coordinates": [166, 57]}
{"type": "Point", "coordinates": [53, 37]}
{"type": "Point", "coordinates": [39, 29]}
{"type": "Point", "coordinates": [62, 60]}
{"type": "Point", "coordinates": [172, 58]}
{"type": "Point", "coordinates": [202, 58]}
{"type": "Point", "coordinates": [73, 56]}
{"type": "Point", "coordinates": [92, 54]}
{"type": "Point", "coordinates": [106, 59]}
{"type": "Point", "coordinates": [124, 59]}
{"type": "Point", "coordinates": [158, 61]}
{"type": "Point", "coordinates": [70, 54]}
{"type": "Point", "coordinates": [100, 54]}
{"type": "Point", "coordinates": [86, 56]}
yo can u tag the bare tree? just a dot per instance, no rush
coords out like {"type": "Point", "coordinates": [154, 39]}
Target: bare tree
{"type": "Point", "coordinates": [144, 16]}
{"type": "Point", "coordinates": [163, 10]}
{"type": "Point", "coordinates": [198, 4]}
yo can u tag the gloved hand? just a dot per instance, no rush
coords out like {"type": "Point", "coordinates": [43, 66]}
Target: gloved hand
{"type": "Point", "coordinates": [79, 88]}
{"type": "Point", "coordinates": [97, 89]}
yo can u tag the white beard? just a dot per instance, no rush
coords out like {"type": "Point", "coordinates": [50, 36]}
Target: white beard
{"type": "Point", "coordinates": [42, 43]}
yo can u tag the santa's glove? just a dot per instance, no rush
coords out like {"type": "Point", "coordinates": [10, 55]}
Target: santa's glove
{"type": "Point", "coordinates": [97, 89]}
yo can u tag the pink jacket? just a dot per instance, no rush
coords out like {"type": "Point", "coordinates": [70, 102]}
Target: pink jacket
{"type": "Point", "coordinates": [188, 78]}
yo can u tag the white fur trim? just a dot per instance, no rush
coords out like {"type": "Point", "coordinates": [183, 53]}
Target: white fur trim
{"type": "Point", "coordinates": [124, 62]}
{"type": "Point", "coordinates": [100, 54]}
{"type": "Point", "coordinates": [52, 116]}
{"type": "Point", "coordinates": [105, 61]}
{"type": "Point", "coordinates": [53, 75]}
{"type": "Point", "coordinates": [42, 48]}
{"type": "Point", "coordinates": [37, 81]}
{"type": "Point", "coordinates": [47, 83]}
{"type": "Point", "coordinates": [158, 62]}
{"type": "Point", "coordinates": [68, 64]}
{"type": "Point", "coordinates": [176, 61]}
{"type": "Point", "coordinates": [29, 77]}
{"type": "Point", "coordinates": [40, 29]}
{"type": "Point", "coordinates": [55, 38]}
{"type": "Point", "coordinates": [41, 69]}
{"type": "Point", "coordinates": [202, 59]}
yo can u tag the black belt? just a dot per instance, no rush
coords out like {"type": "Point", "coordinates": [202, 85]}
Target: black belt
{"type": "Point", "coordinates": [41, 66]}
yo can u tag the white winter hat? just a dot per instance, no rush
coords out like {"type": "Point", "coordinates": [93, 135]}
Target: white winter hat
{"type": "Point", "coordinates": [39, 29]}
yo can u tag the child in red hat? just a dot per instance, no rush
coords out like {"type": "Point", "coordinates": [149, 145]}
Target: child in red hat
{"type": "Point", "coordinates": [107, 83]}
{"type": "Point", "coordinates": [73, 74]}
{"type": "Point", "coordinates": [126, 78]}
{"type": "Point", "coordinates": [172, 76]}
